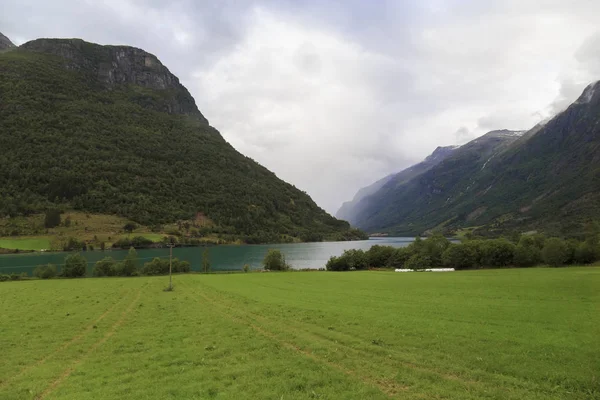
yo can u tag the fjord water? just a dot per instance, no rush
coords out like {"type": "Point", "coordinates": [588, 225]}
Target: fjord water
{"type": "Point", "coordinates": [222, 258]}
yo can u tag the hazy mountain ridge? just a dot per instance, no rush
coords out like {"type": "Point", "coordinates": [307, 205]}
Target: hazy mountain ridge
{"type": "Point", "coordinates": [545, 179]}
{"type": "Point", "coordinates": [350, 210]}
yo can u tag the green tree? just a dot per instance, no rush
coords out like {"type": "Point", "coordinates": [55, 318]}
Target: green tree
{"type": "Point", "coordinates": [527, 256]}
{"type": "Point", "coordinates": [399, 257]}
{"type": "Point", "coordinates": [45, 271]}
{"type": "Point", "coordinates": [52, 218]}
{"type": "Point", "coordinates": [555, 252]}
{"type": "Point", "coordinates": [130, 263]}
{"type": "Point", "coordinates": [275, 261]}
{"type": "Point", "coordinates": [459, 256]}
{"type": "Point", "coordinates": [205, 260]}
{"type": "Point", "coordinates": [418, 261]}
{"type": "Point", "coordinates": [129, 227]}
{"type": "Point", "coordinates": [587, 252]}
{"type": "Point", "coordinates": [75, 266]}
{"type": "Point", "coordinates": [379, 256]}
{"type": "Point", "coordinates": [433, 247]}
{"type": "Point", "coordinates": [105, 267]}
{"type": "Point", "coordinates": [497, 253]}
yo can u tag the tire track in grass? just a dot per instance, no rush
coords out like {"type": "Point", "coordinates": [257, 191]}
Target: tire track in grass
{"type": "Point", "coordinates": [387, 387]}
{"type": "Point", "coordinates": [68, 371]}
{"type": "Point", "coordinates": [62, 348]}
{"type": "Point", "coordinates": [468, 384]}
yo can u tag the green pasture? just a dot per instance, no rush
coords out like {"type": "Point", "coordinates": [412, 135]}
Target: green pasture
{"type": "Point", "coordinates": [490, 334]}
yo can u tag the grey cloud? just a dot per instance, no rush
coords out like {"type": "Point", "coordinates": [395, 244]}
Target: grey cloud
{"type": "Point", "coordinates": [333, 95]}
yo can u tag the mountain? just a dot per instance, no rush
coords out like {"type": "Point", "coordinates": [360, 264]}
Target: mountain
{"type": "Point", "coordinates": [110, 130]}
{"type": "Point", "coordinates": [546, 179]}
{"type": "Point", "coordinates": [5, 42]}
{"type": "Point", "coordinates": [351, 209]}
{"type": "Point", "coordinates": [416, 204]}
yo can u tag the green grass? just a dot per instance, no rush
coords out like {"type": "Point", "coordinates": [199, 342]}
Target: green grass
{"type": "Point", "coordinates": [155, 237]}
{"type": "Point", "coordinates": [494, 334]}
{"type": "Point", "coordinates": [26, 243]}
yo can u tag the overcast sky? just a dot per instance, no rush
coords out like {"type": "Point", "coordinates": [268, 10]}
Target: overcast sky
{"type": "Point", "coordinates": [333, 95]}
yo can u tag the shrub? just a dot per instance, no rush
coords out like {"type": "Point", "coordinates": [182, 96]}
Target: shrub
{"type": "Point", "coordinates": [45, 271]}
{"type": "Point", "coordinates": [350, 260]}
{"type": "Point", "coordinates": [52, 218]}
{"type": "Point", "coordinates": [129, 227]}
{"type": "Point", "coordinates": [399, 257]}
{"type": "Point", "coordinates": [105, 267]}
{"type": "Point", "coordinates": [73, 244]}
{"type": "Point", "coordinates": [460, 256]}
{"type": "Point", "coordinates": [527, 255]}
{"type": "Point", "coordinates": [379, 256]}
{"type": "Point", "coordinates": [275, 261]}
{"type": "Point", "coordinates": [14, 277]}
{"type": "Point", "coordinates": [336, 264]}
{"type": "Point", "coordinates": [136, 242]}
{"type": "Point", "coordinates": [356, 259]}
{"type": "Point", "coordinates": [555, 252]}
{"type": "Point", "coordinates": [246, 268]}
{"type": "Point", "coordinates": [4, 278]}
{"type": "Point", "coordinates": [158, 266]}
{"type": "Point", "coordinates": [586, 252]}
{"type": "Point", "coordinates": [75, 266]}
{"type": "Point", "coordinates": [181, 266]}
{"type": "Point", "coordinates": [418, 261]}
{"type": "Point", "coordinates": [497, 253]}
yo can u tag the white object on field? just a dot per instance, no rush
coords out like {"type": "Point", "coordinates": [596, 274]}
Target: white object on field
{"type": "Point", "coordinates": [426, 270]}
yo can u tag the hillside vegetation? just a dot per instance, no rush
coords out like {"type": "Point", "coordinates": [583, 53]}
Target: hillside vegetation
{"type": "Point", "coordinates": [108, 130]}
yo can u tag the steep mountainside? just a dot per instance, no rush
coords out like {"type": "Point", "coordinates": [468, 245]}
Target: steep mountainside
{"type": "Point", "coordinates": [5, 42]}
{"type": "Point", "coordinates": [546, 180]}
{"type": "Point", "coordinates": [108, 129]}
{"type": "Point", "coordinates": [418, 203]}
{"type": "Point", "coordinates": [351, 209]}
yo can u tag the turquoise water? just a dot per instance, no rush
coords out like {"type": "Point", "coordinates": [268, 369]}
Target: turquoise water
{"type": "Point", "coordinates": [223, 258]}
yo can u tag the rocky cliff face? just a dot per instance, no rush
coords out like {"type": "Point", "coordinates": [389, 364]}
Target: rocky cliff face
{"type": "Point", "coordinates": [115, 66]}
{"type": "Point", "coordinates": [5, 42]}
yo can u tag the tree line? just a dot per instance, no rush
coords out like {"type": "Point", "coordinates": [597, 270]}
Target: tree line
{"type": "Point", "coordinates": [438, 251]}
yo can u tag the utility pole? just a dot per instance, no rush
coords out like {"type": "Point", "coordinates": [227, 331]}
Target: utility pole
{"type": "Point", "coordinates": [170, 266]}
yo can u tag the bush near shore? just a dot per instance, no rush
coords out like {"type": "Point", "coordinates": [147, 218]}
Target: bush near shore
{"type": "Point", "coordinates": [437, 251]}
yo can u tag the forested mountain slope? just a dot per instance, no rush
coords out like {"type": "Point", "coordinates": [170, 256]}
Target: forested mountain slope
{"type": "Point", "coordinates": [108, 129]}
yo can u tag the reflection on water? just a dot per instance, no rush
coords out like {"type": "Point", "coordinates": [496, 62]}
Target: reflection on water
{"type": "Point", "coordinates": [299, 255]}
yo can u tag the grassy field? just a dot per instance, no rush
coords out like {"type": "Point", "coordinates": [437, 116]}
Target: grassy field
{"type": "Point", "coordinates": [495, 334]}
{"type": "Point", "coordinates": [29, 233]}
{"type": "Point", "coordinates": [25, 243]}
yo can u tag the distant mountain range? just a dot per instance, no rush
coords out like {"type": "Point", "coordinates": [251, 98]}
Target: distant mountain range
{"type": "Point", "coordinates": [546, 179]}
